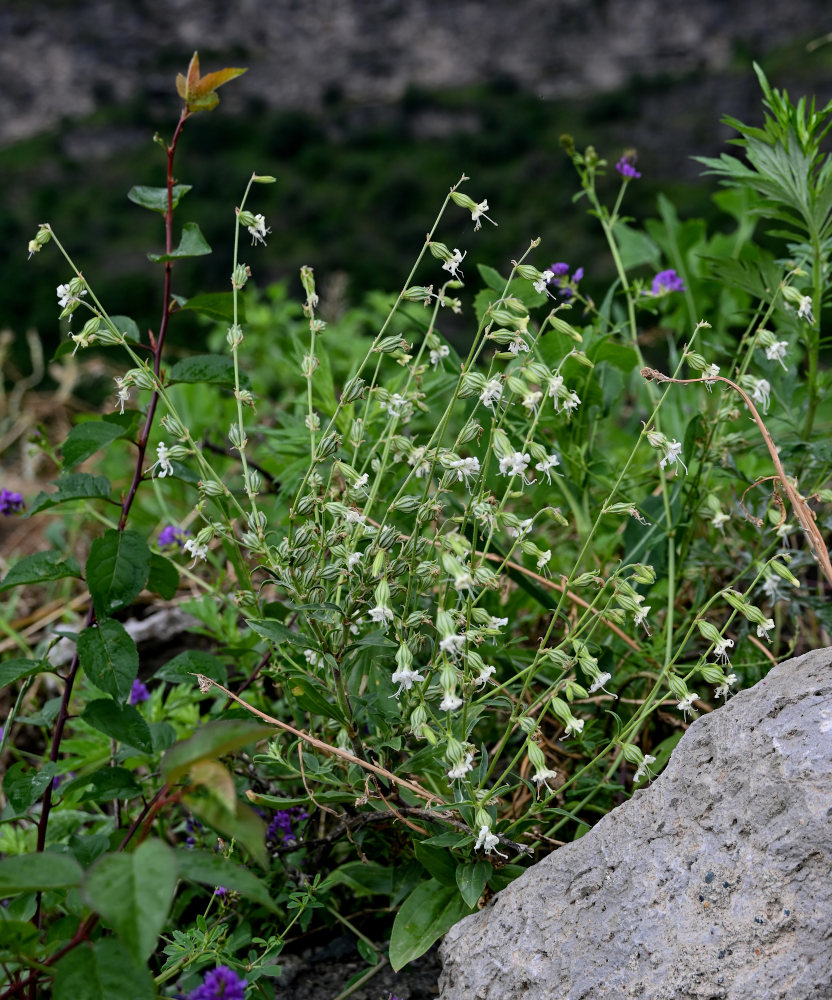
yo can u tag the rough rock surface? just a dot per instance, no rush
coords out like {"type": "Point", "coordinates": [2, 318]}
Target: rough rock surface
{"type": "Point", "coordinates": [714, 882]}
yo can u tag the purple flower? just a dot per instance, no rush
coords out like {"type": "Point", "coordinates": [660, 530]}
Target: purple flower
{"type": "Point", "coordinates": [560, 269]}
{"type": "Point", "coordinates": [220, 891]}
{"type": "Point", "coordinates": [59, 779]}
{"type": "Point", "coordinates": [667, 281]}
{"type": "Point", "coordinates": [193, 826]}
{"type": "Point", "coordinates": [171, 535]}
{"type": "Point", "coordinates": [626, 166]}
{"type": "Point", "coordinates": [579, 273]}
{"type": "Point", "coordinates": [138, 692]}
{"type": "Point", "coordinates": [568, 286]}
{"type": "Point", "coordinates": [220, 984]}
{"type": "Point", "coordinates": [10, 503]}
{"type": "Point", "coordinates": [281, 824]}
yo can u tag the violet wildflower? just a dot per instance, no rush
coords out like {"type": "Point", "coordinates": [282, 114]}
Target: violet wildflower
{"type": "Point", "coordinates": [560, 276]}
{"type": "Point", "coordinates": [10, 502]}
{"type": "Point", "coordinates": [171, 535]}
{"type": "Point", "coordinates": [138, 693]}
{"type": "Point", "coordinates": [280, 829]}
{"type": "Point", "coordinates": [220, 984]}
{"type": "Point", "coordinates": [665, 282]}
{"type": "Point", "coordinates": [626, 166]}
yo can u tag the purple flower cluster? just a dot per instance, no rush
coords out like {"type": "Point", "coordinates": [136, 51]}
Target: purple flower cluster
{"type": "Point", "coordinates": [220, 984]}
{"type": "Point", "coordinates": [171, 535]}
{"type": "Point", "coordinates": [10, 502]}
{"type": "Point", "coordinates": [566, 286]}
{"type": "Point", "coordinates": [138, 692]}
{"type": "Point", "coordinates": [280, 829]}
{"type": "Point", "coordinates": [667, 281]}
{"type": "Point", "coordinates": [626, 166]}
{"type": "Point", "coordinates": [193, 826]}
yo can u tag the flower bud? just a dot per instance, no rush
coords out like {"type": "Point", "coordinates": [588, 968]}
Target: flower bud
{"type": "Point", "coordinates": [354, 389]}
{"type": "Point", "coordinates": [784, 573]}
{"type": "Point", "coordinates": [677, 687]}
{"type": "Point", "coordinates": [708, 631]}
{"type": "Point", "coordinates": [306, 505]}
{"type": "Point", "coordinates": [632, 754]}
{"type": "Point", "coordinates": [712, 674]}
{"type": "Point", "coordinates": [389, 345]}
{"type": "Point", "coordinates": [407, 503]}
{"type": "Point", "coordinates": [328, 446]}
{"type": "Point", "coordinates": [234, 337]}
{"type": "Point", "coordinates": [142, 378]}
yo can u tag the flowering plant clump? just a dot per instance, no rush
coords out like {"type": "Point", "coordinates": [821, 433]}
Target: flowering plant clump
{"type": "Point", "coordinates": [448, 598]}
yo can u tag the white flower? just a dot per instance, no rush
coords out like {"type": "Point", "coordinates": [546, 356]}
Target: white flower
{"type": "Point", "coordinates": [520, 531]}
{"type": "Point", "coordinates": [65, 296]}
{"type": "Point", "coordinates": [543, 281]}
{"type": "Point", "coordinates": [544, 559]}
{"type": "Point", "coordinates": [163, 461]}
{"type": "Point", "coordinates": [546, 465]}
{"type": "Point", "coordinates": [542, 777]}
{"type": "Point", "coordinates": [452, 265]}
{"type": "Point", "coordinates": [640, 617]}
{"type": "Point", "coordinates": [764, 629]}
{"type": "Point", "coordinates": [405, 678]}
{"type": "Point", "coordinates": [484, 674]}
{"type": "Point", "coordinates": [721, 649]}
{"type": "Point", "coordinates": [353, 559]}
{"type": "Point", "coordinates": [497, 622]}
{"type": "Point", "coordinates": [515, 464]}
{"type": "Point", "coordinates": [123, 393]}
{"type": "Point", "coordinates": [258, 230]}
{"type": "Point", "coordinates": [761, 393]}
{"type": "Point", "coordinates": [554, 385]}
{"type": "Point", "coordinates": [452, 645]}
{"type": "Point", "coordinates": [462, 767]}
{"type": "Point", "coordinates": [673, 453]}
{"type": "Point", "coordinates": [804, 310]}
{"type": "Point", "coordinates": [777, 351]}
{"type": "Point", "coordinates": [719, 519]}
{"type": "Point", "coordinates": [361, 482]}
{"type": "Point", "coordinates": [573, 727]}
{"type": "Point", "coordinates": [382, 615]}
{"type": "Point", "coordinates": [437, 355]}
{"type": "Point", "coordinates": [532, 400]}
{"type": "Point", "coordinates": [465, 468]}
{"type": "Point", "coordinates": [492, 393]}
{"type": "Point", "coordinates": [518, 346]}
{"type": "Point", "coordinates": [480, 210]}
{"type": "Point", "coordinates": [571, 402]}
{"type": "Point", "coordinates": [487, 841]}
{"type": "Point", "coordinates": [709, 374]}
{"type": "Point", "coordinates": [686, 704]}
{"type": "Point", "coordinates": [450, 703]}
{"type": "Point", "coordinates": [725, 689]}
{"type": "Point", "coordinates": [197, 551]}
{"type": "Point", "coordinates": [354, 516]}
{"type": "Point", "coordinates": [313, 658]}
{"type": "Point", "coordinates": [397, 405]}
{"type": "Point", "coordinates": [598, 683]}
{"type": "Point", "coordinates": [644, 768]}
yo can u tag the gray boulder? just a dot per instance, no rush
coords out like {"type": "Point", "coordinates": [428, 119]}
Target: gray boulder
{"type": "Point", "coordinates": [714, 882]}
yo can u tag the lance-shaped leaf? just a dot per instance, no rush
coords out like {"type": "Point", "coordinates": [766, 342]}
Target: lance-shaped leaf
{"type": "Point", "coordinates": [209, 742]}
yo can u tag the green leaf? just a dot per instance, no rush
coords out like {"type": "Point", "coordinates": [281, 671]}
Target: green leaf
{"type": "Point", "coordinates": [213, 740]}
{"type": "Point", "coordinates": [109, 657]}
{"type": "Point", "coordinates": [427, 913]}
{"type": "Point", "coordinates": [218, 305]}
{"type": "Point", "coordinates": [492, 278]}
{"type": "Point", "coordinates": [86, 439]}
{"type": "Point", "coordinates": [314, 698]}
{"type": "Point", "coordinates": [24, 785]}
{"type": "Point", "coordinates": [72, 486]}
{"type": "Point", "coordinates": [471, 877]}
{"type": "Point", "coordinates": [18, 937]}
{"type": "Point", "coordinates": [242, 824]}
{"type": "Point", "coordinates": [119, 722]}
{"type": "Point", "coordinates": [39, 568]}
{"type": "Point", "coordinates": [268, 628]}
{"type": "Point", "coordinates": [16, 670]}
{"type": "Point", "coordinates": [190, 662]}
{"type": "Point", "coordinates": [214, 369]}
{"type": "Point", "coordinates": [104, 785]}
{"type": "Point", "coordinates": [127, 326]}
{"type": "Point", "coordinates": [132, 893]}
{"type": "Point", "coordinates": [163, 578]}
{"type": "Point", "coordinates": [362, 879]}
{"type": "Point", "coordinates": [214, 870]}
{"type": "Point", "coordinates": [156, 198]}
{"type": "Point", "coordinates": [117, 570]}
{"type": "Point", "coordinates": [102, 971]}
{"type": "Point", "coordinates": [38, 873]}
{"type": "Point", "coordinates": [635, 247]}
{"type": "Point", "coordinates": [192, 244]}
{"type": "Point", "coordinates": [439, 862]}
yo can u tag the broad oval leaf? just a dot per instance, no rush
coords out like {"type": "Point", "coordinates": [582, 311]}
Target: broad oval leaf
{"type": "Point", "coordinates": [38, 873]}
{"type": "Point", "coordinates": [109, 657]}
{"type": "Point", "coordinates": [427, 913]}
{"type": "Point", "coordinates": [215, 369]}
{"type": "Point", "coordinates": [72, 486]}
{"type": "Point", "coordinates": [471, 877]}
{"type": "Point", "coordinates": [214, 870]}
{"type": "Point", "coordinates": [102, 971]}
{"type": "Point", "coordinates": [103, 785]}
{"type": "Point", "coordinates": [163, 578]}
{"type": "Point", "coordinates": [132, 893]}
{"type": "Point", "coordinates": [191, 244]}
{"type": "Point", "coordinates": [193, 661]}
{"type": "Point", "coordinates": [86, 439]}
{"type": "Point", "coordinates": [119, 722]}
{"type": "Point", "coordinates": [156, 198]}
{"type": "Point", "coordinates": [18, 669]}
{"type": "Point", "coordinates": [218, 305]}
{"type": "Point", "coordinates": [117, 570]}
{"type": "Point", "coordinates": [24, 785]}
{"type": "Point", "coordinates": [39, 568]}
{"type": "Point", "coordinates": [211, 741]}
